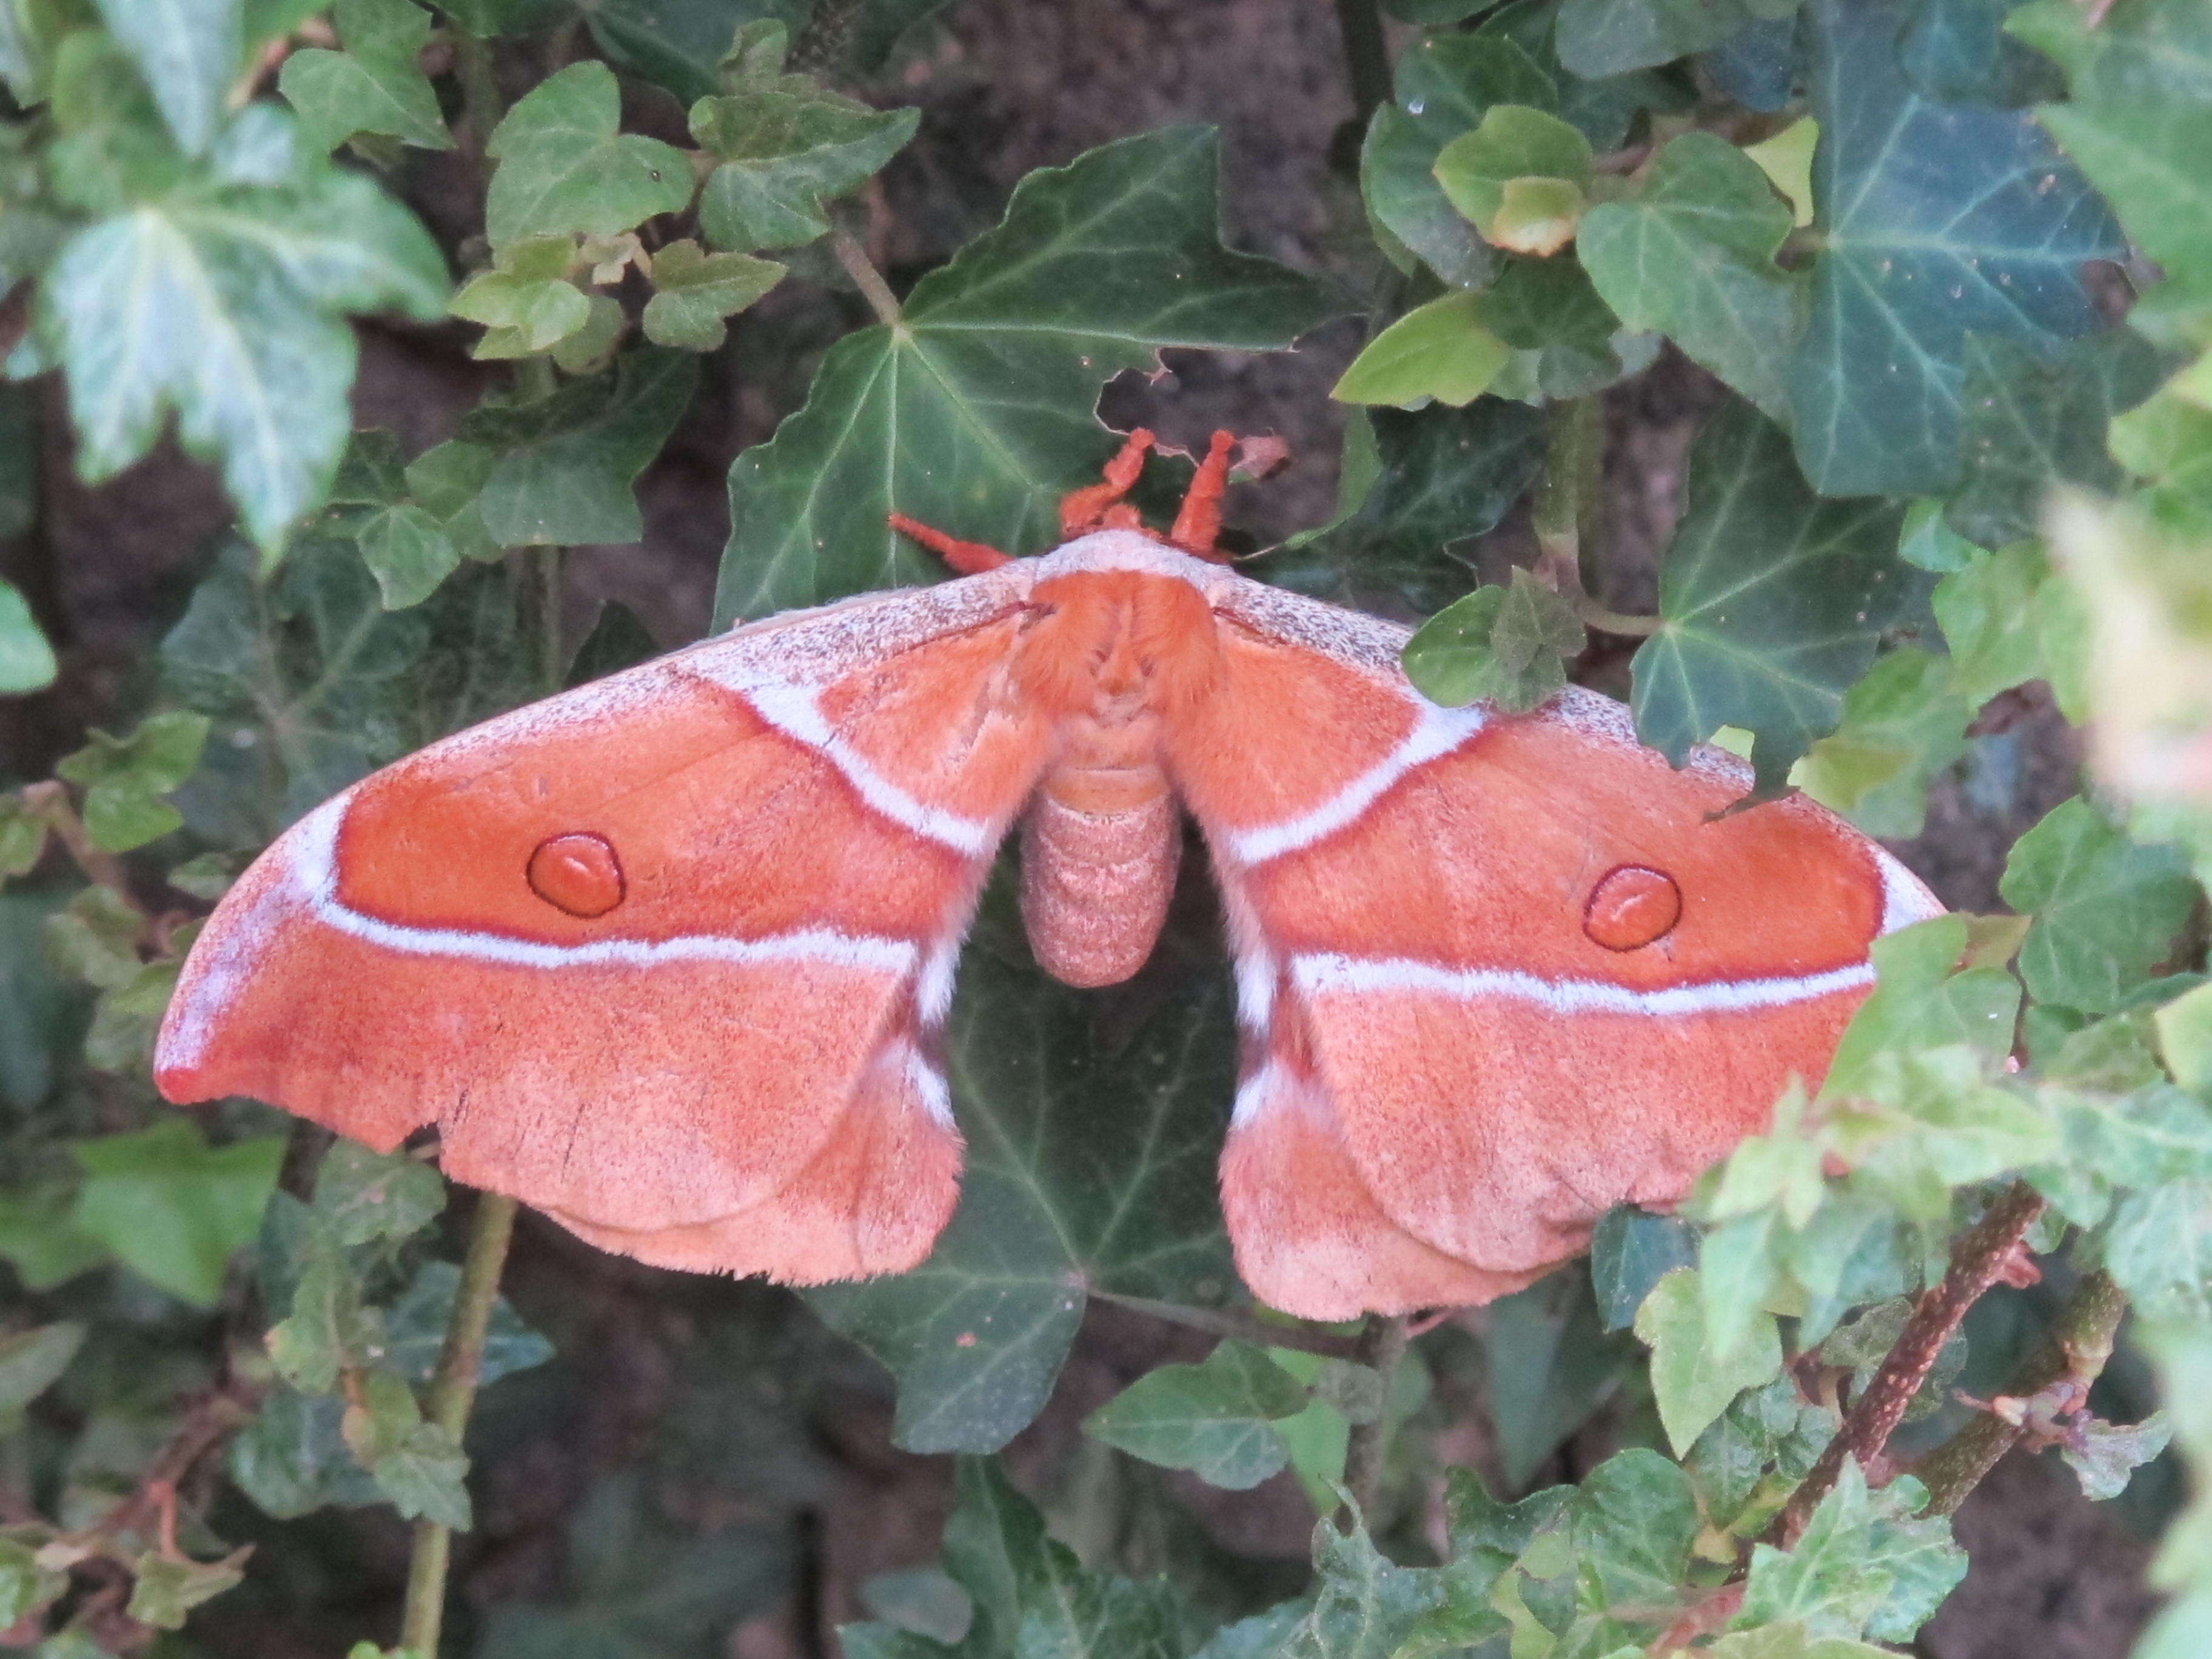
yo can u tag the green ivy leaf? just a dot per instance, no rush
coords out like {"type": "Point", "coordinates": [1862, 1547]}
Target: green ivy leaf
{"type": "Point", "coordinates": [2105, 1457]}
{"type": "Point", "coordinates": [1902, 724]}
{"type": "Point", "coordinates": [693, 292]}
{"type": "Point", "coordinates": [1771, 601]}
{"type": "Point", "coordinates": [291, 1459]}
{"type": "Point", "coordinates": [1216, 1419]}
{"type": "Point", "coordinates": [1863, 1566]}
{"type": "Point", "coordinates": [2026, 425]}
{"type": "Point", "coordinates": [1957, 52]}
{"type": "Point", "coordinates": [26, 661]}
{"type": "Point", "coordinates": [25, 1585]}
{"type": "Point", "coordinates": [1923, 998]}
{"type": "Point", "coordinates": [415, 1330]}
{"type": "Point", "coordinates": [415, 1464]}
{"type": "Point", "coordinates": [784, 148]}
{"type": "Point", "coordinates": [526, 301]}
{"type": "Point", "coordinates": [2157, 1244]}
{"type": "Point", "coordinates": [1567, 341]}
{"type": "Point", "coordinates": [1436, 352]}
{"type": "Point", "coordinates": [328, 1330]}
{"type": "Point", "coordinates": [172, 1208]}
{"type": "Point", "coordinates": [1755, 1453]}
{"type": "Point", "coordinates": [974, 413]}
{"type": "Point", "coordinates": [1598, 38]}
{"type": "Point", "coordinates": [1364, 1605]}
{"type": "Point", "coordinates": [1989, 615]}
{"type": "Point", "coordinates": [564, 165]}
{"type": "Point", "coordinates": [169, 1587]}
{"type": "Point", "coordinates": [1518, 144]}
{"type": "Point", "coordinates": [223, 297]}
{"type": "Point", "coordinates": [2107, 908]}
{"type": "Point", "coordinates": [32, 1361]}
{"type": "Point", "coordinates": [1692, 1385]}
{"type": "Point", "coordinates": [566, 463]}
{"type": "Point", "coordinates": [189, 52]}
{"type": "Point", "coordinates": [1632, 1250]}
{"type": "Point", "coordinates": [1444, 86]}
{"type": "Point", "coordinates": [375, 85]}
{"type": "Point", "coordinates": [1441, 478]}
{"type": "Point", "coordinates": [1509, 646]}
{"type": "Point", "coordinates": [1090, 1167]}
{"type": "Point", "coordinates": [40, 1241]}
{"type": "Point", "coordinates": [1550, 1365]}
{"type": "Point", "coordinates": [361, 1196]}
{"type": "Point", "coordinates": [409, 552]}
{"type": "Point", "coordinates": [1692, 256]}
{"type": "Point", "coordinates": [1914, 259]}
{"type": "Point", "coordinates": [125, 779]}
{"type": "Point", "coordinates": [680, 43]}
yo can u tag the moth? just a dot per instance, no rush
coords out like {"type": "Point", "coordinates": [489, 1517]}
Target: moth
{"type": "Point", "coordinates": [668, 957]}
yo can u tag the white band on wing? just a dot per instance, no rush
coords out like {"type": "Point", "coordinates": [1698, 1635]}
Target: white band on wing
{"type": "Point", "coordinates": [793, 711]}
{"type": "Point", "coordinates": [1436, 732]}
{"type": "Point", "coordinates": [1318, 973]}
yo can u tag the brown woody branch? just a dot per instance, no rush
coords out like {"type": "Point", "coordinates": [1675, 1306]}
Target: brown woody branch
{"type": "Point", "coordinates": [1979, 1260]}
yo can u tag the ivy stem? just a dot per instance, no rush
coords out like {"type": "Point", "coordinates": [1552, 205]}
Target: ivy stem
{"type": "Point", "coordinates": [480, 104]}
{"type": "Point", "coordinates": [1239, 1326]}
{"type": "Point", "coordinates": [546, 564]}
{"type": "Point", "coordinates": [2075, 1349]}
{"type": "Point", "coordinates": [1566, 508]}
{"type": "Point", "coordinates": [1382, 1345]}
{"type": "Point", "coordinates": [1366, 56]}
{"type": "Point", "coordinates": [866, 277]}
{"type": "Point", "coordinates": [1977, 1260]}
{"type": "Point", "coordinates": [453, 1392]}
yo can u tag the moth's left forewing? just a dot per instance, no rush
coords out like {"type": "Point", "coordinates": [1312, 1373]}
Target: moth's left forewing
{"type": "Point", "coordinates": [1511, 971]}
{"type": "Point", "coordinates": [665, 956]}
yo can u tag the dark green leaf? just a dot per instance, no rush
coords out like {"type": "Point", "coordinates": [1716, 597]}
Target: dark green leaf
{"type": "Point", "coordinates": [166, 1587]}
{"type": "Point", "coordinates": [976, 413]}
{"type": "Point", "coordinates": [375, 85]}
{"type": "Point", "coordinates": [1771, 601]}
{"type": "Point", "coordinates": [1760, 1447]}
{"type": "Point", "coordinates": [882, 22]}
{"type": "Point", "coordinates": [32, 1361]}
{"type": "Point", "coordinates": [1568, 341]}
{"type": "Point", "coordinates": [565, 166]}
{"type": "Point", "coordinates": [291, 1460]}
{"type": "Point", "coordinates": [1957, 52]}
{"type": "Point", "coordinates": [328, 1330]}
{"type": "Point", "coordinates": [416, 1465]}
{"type": "Point", "coordinates": [1635, 1519]}
{"type": "Point", "coordinates": [1364, 1605]}
{"type": "Point", "coordinates": [1756, 65]}
{"type": "Point", "coordinates": [361, 1196]}
{"type": "Point", "coordinates": [1863, 1567]}
{"type": "Point", "coordinates": [40, 1241]}
{"type": "Point", "coordinates": [1902, 724]}
{"type": "Point", "coordinates": [1214, 1418]}
{"type": "Point", "coordinates": [1550, 1366]}
{"type": "Point", "coordinates": [125, 779]}
{"type": "Point", "coordinates": [1508, 646]}
{"type": "Point", "coordinates": [172, 1207]}
{"type": "Point", "coordinates": [786, 149]}
{"type": "Point", "coordinates": [1091, 1165]}
{"type": "Point", "coordinates": [1442, 477]}
{"type": "Point", "coordinates": [415, 1330]}
{"type": "Point", "coordinates": [2027, 425]}
{"type": "Point", "coordinates": [2107, 908]}
{"type": "Point", "coordinates": [1632, 1250]}
{"type": "Point", "coordinates": [1692, 255]}
{"type": "Point", "coordinates": [1598, 37]}
{"type": "Point", "coordinates": [409, 552]}
{"type": "Point", "coordinates": [1917, 257]}
{"type": "Point", "coordinates": [678, 43]}
{"type": "Point", "coordinates": [618, 641]}
{"type": "Point", "coordinates": [565, 465]}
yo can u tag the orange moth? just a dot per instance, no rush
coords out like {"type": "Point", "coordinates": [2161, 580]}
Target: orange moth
{"type": "Point", "coordinates": [668, 956]}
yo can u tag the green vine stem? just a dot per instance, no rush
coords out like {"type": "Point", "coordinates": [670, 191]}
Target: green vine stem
{"type": "Point", "coordinates": [1382, 1345]}
{"type": "Point", "coordinates": [1977, 1260]}
{"type": "Point", "coordinates": [453, 1392]}
{"type": "Point", "coordinates": [1566, 506]}
{"type": "Point", "coordinates": [866, 277]}
{"type": "Point", "coordinates": [2073, 1351]}
{"type": "Point", "coordinates": [1233, 1326]}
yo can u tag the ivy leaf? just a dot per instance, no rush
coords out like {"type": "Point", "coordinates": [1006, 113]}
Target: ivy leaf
{"type": "Point", "coordinates": [188, 52]}
{"type": "Point", "coordinates": [1090, 1166]}
{"type": "Point", "coordinates": [1957, 52]}
{"type": "Point", "coordinates": [1692, 1385]}
{"type": "Point", "coordinates": [1756, 1452]}
{"type": "Point", "coordinates": [2028, 424]}
{"type": "Point", "coordinates": [25, 1586]}
{"type": "Point", "coordinates": [2105, 1457]}
{"type": "Point", "coordinates": [1902, 726]}
{"type": "Point", "coordinates": [1914, 259]}
{"type": "Point", "coordinates": [32, 1361]}
{"type": "Point", "coordinates": [1436, 352]}
{"type": "Point", "coordinates": [1567, 341]}
{"type": "Point", "coordinates": [409, 552]}
{"type": "Point", "coordinates": [1502, 645]}
{"type": "Point", "coordinates": [2157, 1245]}
{"type": "Point", "coordinates": [1632, 1250]}
{"type": "Point", "coordinates": [1444, 86]}
{"type": "Point", "coordinates": [1692, 256]}
{"type": "Point", "coordinates": [361, 1196]}
{"type": "Point", "coordinates": [26, 661]}
{"type": "Point", "coordinates": [2156, 50]}
{"type": "Point", "coordinates": [1364, 1605]}
{"type": "Point", "coordinates": [1550, 1365]}
{"type": "Point", "coordinates": [564, 165]}
{"type": "Point", "coordinates": [1771, 601]}
{"type": "Point", "coordinates": [784, 148]}
{"type": "Point", "coordinates": [224, 297]}
{"type": "Point", "coordinates": [526, 301]}
{"type": "Point", "coordinates": [1442, 478]}
{"type": "Point", "coordinates": [1922, 999]}
{"type": "Point", "coordinates": [2107, 908]}
{"type": "Point", "coordinates": [1988, 613]}
{"type": "Point", "coordinates": [291, 1460]}
{"type": "Point", "coordinates": [1863, 1566]}
{"type": "Point", "coordinates": [974, 414]}
{"type": "Point", "coordinates": [125, 779]}
{"type": "Point", "coordinates": [1516, 145]}
{"type": "Point", "coordinates": [327, 1331]}
{"type": "Point", "coordinates": [415, 1464]}
{"type": "Point", "coordinates": [1216, 1419]}
{"type": "Point", "coordinates": [415, 1330]}
{"type": "Point", "coordinates": [693, 292]}
{"type": "Point", "coordinates": [679, 45]}
{"type": "Point", "coordinates": [1598, 37]}
{"type": "Point", "coordinates": [172, 1208]}
{"type": "Point", "coordinates": [566, 463]}
{"type": "Point", "coordinates": [375, 85]}
{"type": "Point", "coordinates": [166, 1588]}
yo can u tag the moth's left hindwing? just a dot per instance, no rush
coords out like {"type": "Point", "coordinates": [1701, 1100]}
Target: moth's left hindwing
{"type": "Point", "coordinates": [665, 957]}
